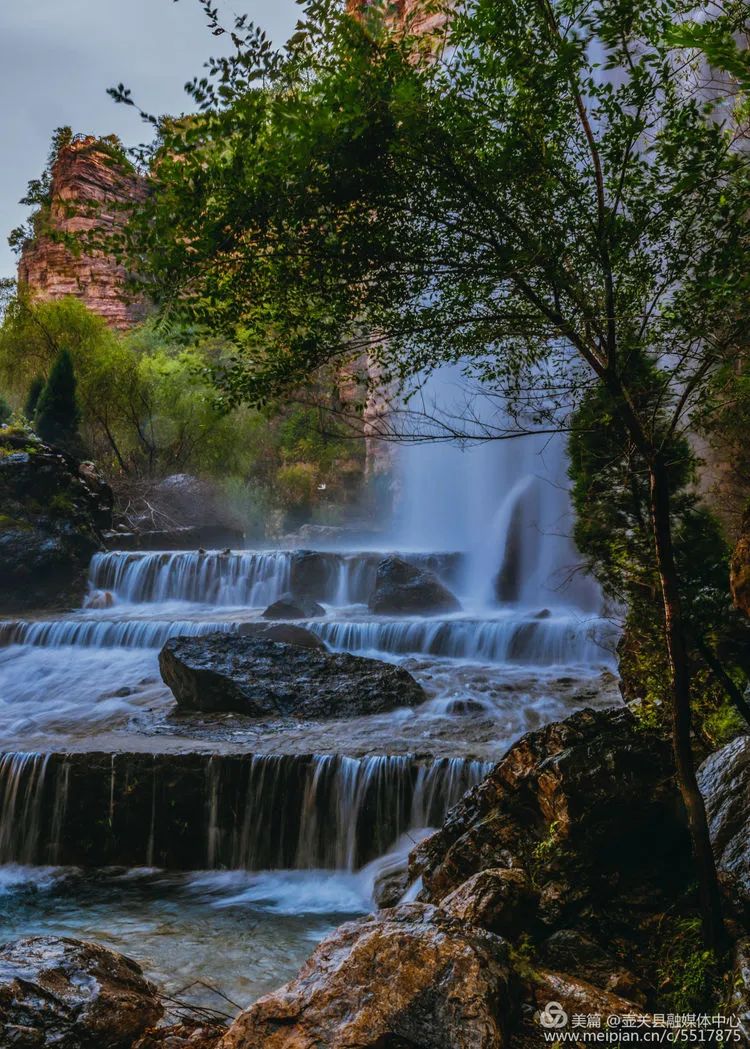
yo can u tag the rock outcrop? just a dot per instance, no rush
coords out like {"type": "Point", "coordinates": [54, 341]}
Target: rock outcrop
{"type": "Point", "coordinates": [51, 515]}
{"type": "Point", "coordinates": [91, 189]}
{"type": "Point", "coordinates": [262, 678]}
{"type": "Point", "coordinates": [403, 588]}
{"type": "Point", "coordinates": [408, 977]}
{"type": "Point", "coordinates": [67, 994]}
{"type": "Point", "coordinates": [569, 804]}
{"type": "Point", "coordinates": [724, 780]}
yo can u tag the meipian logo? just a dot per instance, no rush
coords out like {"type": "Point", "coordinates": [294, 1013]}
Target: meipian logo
{"type": "Point", "coordinates": [553, 1016]}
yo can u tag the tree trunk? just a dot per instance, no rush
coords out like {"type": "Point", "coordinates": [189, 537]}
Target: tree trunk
{"type": "Point", "coordinates": [713, 924]}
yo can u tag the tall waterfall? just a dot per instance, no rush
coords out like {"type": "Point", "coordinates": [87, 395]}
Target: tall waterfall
{"type": "Point", "coordinates": [503, 502]}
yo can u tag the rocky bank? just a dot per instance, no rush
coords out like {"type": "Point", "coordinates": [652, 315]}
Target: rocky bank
{"type": "Point", "coordinates": [52, 513]}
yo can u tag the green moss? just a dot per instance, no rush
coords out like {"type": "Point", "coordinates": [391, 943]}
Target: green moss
{"type": "Point", "coordinates": [61, 505]}
{"type": "Point", "coordinates": [15, 524]}
{"type": "Point", "coordinates": [689, 978]}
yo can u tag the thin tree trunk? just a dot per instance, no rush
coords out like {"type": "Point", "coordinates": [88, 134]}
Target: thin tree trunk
{"type": "Point", "coordinates": [713, 923]}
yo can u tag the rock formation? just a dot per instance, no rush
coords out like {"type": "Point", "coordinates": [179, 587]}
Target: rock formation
{"type": "Point", "coordinates": [72, 995]}
{"type": "Point", "coordinates": [262, 678]}
{"type": "Point", "coordinates": [724, 780]}
{"type": "Point", "coordinates": [411, 976]}
{"type": "Point", "coordinates": [401, 587]}
{"type": "Point", "coordinates": [52, 514]}
{"type": "Point", "coordinates": [90, 190]}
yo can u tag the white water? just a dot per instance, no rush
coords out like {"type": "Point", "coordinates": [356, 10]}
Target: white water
{"type": "Point", "coordinates": [528, 647]}
{"type": "Point", "coordinates": [494, 500]}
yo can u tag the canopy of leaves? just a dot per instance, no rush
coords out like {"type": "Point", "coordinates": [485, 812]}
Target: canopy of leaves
{"type": "Point", "coordinates": [543, 186]}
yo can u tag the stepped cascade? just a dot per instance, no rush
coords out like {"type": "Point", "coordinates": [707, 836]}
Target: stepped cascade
{"type": "Point", "coordinates": [292, 822]}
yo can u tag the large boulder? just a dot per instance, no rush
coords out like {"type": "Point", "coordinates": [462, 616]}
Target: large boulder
{"type": "Point", "coordinates": [579, 806]}
{"type": "Point", "coordinates": [402, 588]}
{"type": "Point", "coordinates": [312, 574]}
{"type": "Point", "coordinates": [263, 678]}
{"type": "Point", "coordinates": [51, 516]}
{"type": "Point", "coordinates": [724, 781]}
{"type": "Point", "coordinates": [408, 978]}
{"type": "Point", "coordinates": [66, 994]}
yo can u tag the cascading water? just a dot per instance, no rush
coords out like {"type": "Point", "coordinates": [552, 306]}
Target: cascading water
{"type": "Point", "coordinates": [288, 823]}
{"type": "Point", "coordinates": [503, 502]}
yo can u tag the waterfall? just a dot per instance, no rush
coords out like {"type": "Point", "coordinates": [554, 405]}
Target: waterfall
{"type": "Point", "coordinates": [251, 579]}
{"type": "Point", "coordinates": [504, 503]}
{"type": "Point", "coordinates": [23, 794]}
{"type": "Point", "coordinates": [107, 633]}
{"type": "Point", "coordinates": [562, 638]}
{"type": "Point", "coordinates": [193, 811]}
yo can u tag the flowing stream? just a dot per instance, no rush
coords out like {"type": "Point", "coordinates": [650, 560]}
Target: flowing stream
{"type": "Point", "coordinates": [223, 848]}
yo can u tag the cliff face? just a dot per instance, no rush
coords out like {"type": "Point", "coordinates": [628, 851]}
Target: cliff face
{"type": "Point", "coordinates": [89, 190]}
{"type": "Point", "coordinates": [403, 9]}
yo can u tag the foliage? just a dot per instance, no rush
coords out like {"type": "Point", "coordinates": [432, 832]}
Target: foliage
{"type": "Point", "coordinates": [6, 412]}
{"type": "Point", "coordinates": [147, 410]}
{"type": "Point", "coordinates": [613, 530]}
{"type": "Point", "coordinates": [689, 978]}
{"type": "Point", "coordinates": [57, 414]}
{"type": "Point", "coordinates": [32, 397]}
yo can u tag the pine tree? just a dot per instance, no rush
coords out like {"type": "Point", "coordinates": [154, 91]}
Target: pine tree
{"type": "Point", "coordinates": [57, 412]}
{"type": "Point", "coordinates": [32, 397]}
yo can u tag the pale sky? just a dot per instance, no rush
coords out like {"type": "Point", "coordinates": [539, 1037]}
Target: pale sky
{"type": "Point", "coordinates": [58, 57]}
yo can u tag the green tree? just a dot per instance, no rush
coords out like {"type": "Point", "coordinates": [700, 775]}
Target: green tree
{"type": "Point", "coordinates": [32, 397]}
{"type": "Point", "coordinates": [546, 202]}
{"type": "Point", "coordinates": [6, 411]}
{"type": "Point", "coordinates": [57, 415]}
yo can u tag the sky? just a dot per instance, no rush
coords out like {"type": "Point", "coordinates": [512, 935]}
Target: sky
{"type": "Point", "coordinates": [58, 57]}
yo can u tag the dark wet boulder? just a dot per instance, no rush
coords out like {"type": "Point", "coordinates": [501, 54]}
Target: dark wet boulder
{"type": "Point", "coordinates": [724, 781]}
{"type": "Point", "coordinates": [263, 678]}
{"type": "Point", "coordinates": [290, 607]}
{"type": "Point", "coordinates": [51, 516]}
{"type": "Point", "coordinates": [407, 977]}
{"type": "Point", "coordinates": [312, 574]}
{"type": "Point", "coordinates": [403, 588]}
{"type": "Point", "coordinates": [58, 993]}
{"type": "Point", "coordinates": [582, 806]}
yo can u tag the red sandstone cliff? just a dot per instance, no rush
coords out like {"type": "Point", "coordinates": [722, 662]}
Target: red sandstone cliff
{"type": "Point", "coordinates": [89, 191]}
